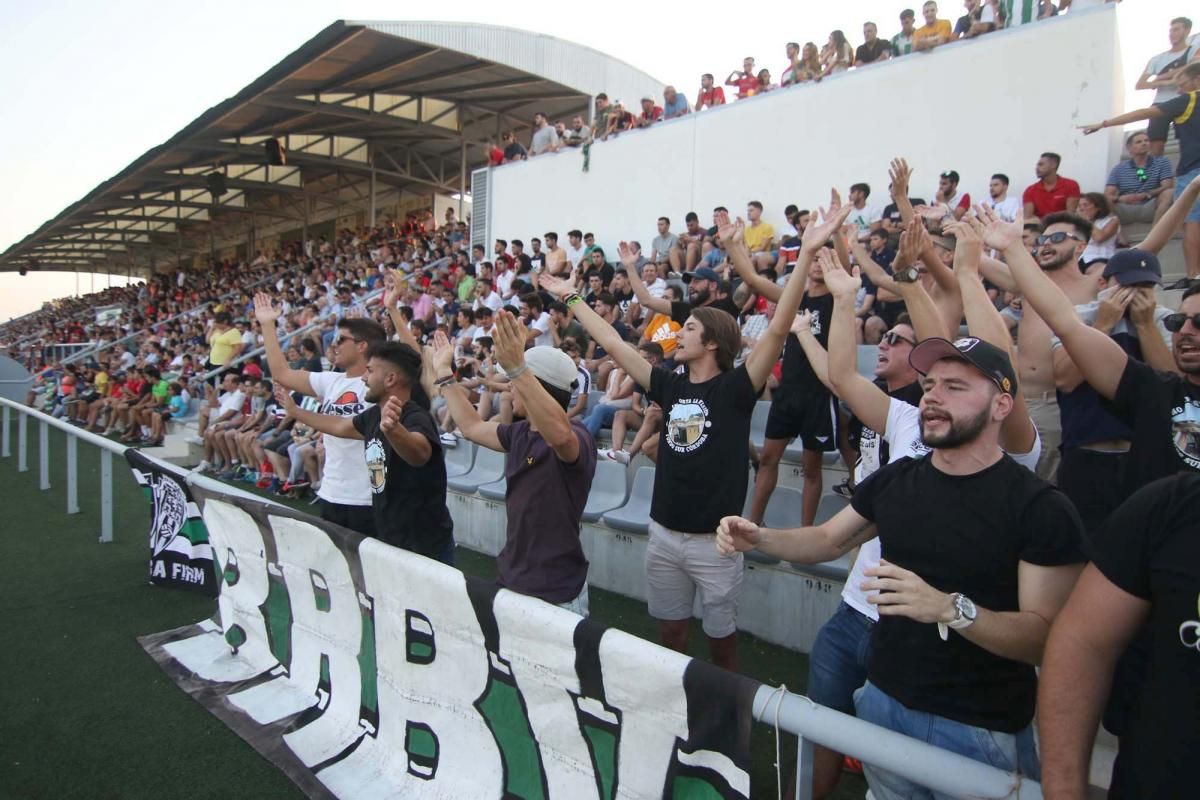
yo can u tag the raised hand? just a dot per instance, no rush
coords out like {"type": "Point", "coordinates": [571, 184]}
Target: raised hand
{"type": "Point", "coordinates": [1091, 128]}
{"type": "Point", "coordinates": [900, 175]}
{"type": "Point", "coordinates": [629, 255]}
{"type": "Point", "coordinates": [389, 415]}
{"type": "Point", "coordinates": [968, 243]}
{"type": "Point", "coordinates": [835, 200]}
{"type": "Point", "coordinates": [509, 338]}
{"type": "Point", "coordinates": [736, 535]}
{"type": "Point", "coordinates": [816, 235]}
{"type": "Point", "coordinates": [840, 282]}
{"type": "Point", "coordinates": [728, 230]}
{"type": "Point", "coordinates": [264, 308]}
{"type": "Point", "coordinates": [443, 354]}
{"type": "Point", "coordinates": [912, 241]}
{"type": "Point", "coordinates": [556, 286]}
{"type": "Point", "coordinates": [391, 294]}
{"type": "Point", "coordinates": [998, 234]}
{"type": "Point", "coordinates": [284, 398]}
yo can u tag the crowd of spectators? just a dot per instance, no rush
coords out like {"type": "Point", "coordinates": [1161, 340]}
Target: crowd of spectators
{"type": "Point", "coordinates": [1032, 408]}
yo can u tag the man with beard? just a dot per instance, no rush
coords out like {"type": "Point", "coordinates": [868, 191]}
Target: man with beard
{"type": "Point", "coordinates": [978, 556]}
{"type": "Point", "coordinates": [345, 491]}
{"type": "Point", "coordinates": [402, 453]}
{"type": "Point", "coordinates": [1058, 248]}
{"type": "Point", "coordinates": [702, 290]}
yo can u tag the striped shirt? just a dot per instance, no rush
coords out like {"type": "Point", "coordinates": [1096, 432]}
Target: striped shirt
{"type": "Point", "coordinates": [1129, 178]}
{"type": "Point", "coordinates": [902, 45]}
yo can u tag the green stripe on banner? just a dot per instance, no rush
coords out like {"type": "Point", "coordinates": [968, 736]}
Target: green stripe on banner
{"type": "Point", "coordinates": [603, 745]}
{"type": "Point", "coordinates": [366, 665]}
{"type": "Point", "coordinates": [194, 531]}
{"type": "Point", "coordinates": [505, 715]}
{"type": "Point", "coordinates": [685, 787]}
{"type": "Point", "coordinates": [279, 621]}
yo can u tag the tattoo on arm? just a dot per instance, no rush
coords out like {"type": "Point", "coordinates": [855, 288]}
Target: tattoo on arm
{"type": "Point", "coordinates": [857, 536]}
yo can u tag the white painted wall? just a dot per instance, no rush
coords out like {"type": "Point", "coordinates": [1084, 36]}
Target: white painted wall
{"type": "Point", "coordinates": [979, 107]}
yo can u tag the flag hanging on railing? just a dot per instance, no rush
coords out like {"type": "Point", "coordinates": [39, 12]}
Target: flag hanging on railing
{"type": "Point", "coordinates": [180, 554]}
{"type": "Point", "coordinates": [365, 671]}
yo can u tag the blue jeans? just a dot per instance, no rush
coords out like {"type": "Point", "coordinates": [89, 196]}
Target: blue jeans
{"type": "Point", "coordinates": [837, 665]}
{"type": "Point", "coordinates": [1181, 182]}
{"type": "Point", "coordinates": [599, 417]}
{"type": "Point", "coordinates": [1006, 751]}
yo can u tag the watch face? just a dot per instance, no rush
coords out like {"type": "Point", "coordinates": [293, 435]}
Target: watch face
{"type": "Point", "coordinates": [965, 607]}
{"type": "Point", "coordinates": [907, 275]}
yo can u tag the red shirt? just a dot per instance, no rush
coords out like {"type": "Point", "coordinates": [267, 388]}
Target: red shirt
{"type": "Point", "coordinates": [747, 85]}
{"type": "Point", "coordinates": [1050, 201]}
{"type": "Point", "coordinates": [712, 97]}
{"type": "Point", "coordinates": [655, 115]}
{"type": "Point", "coordinates": [495, 156]}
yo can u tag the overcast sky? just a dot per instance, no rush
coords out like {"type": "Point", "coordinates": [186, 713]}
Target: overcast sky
{"type": "Point", "coordinates": [88, 87]}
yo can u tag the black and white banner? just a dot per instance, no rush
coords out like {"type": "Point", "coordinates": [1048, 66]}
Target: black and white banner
{"type": "Point", "coordinates": [180, 554]}
{"type": "Point", "coordinates": [365, 671]}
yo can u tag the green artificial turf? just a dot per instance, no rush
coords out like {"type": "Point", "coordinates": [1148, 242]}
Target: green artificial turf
{"type": "Point", "coordinates": [85, 713]}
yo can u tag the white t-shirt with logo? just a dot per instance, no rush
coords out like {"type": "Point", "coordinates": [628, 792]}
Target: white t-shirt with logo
{"type": "Point", "coordinates": [345, 480]}
{"type": "Point", "coordinates": [542, 326]}
{"type": "Point", "coordinates": [903, 436]}
{"type": "Point", "coordinates": [1007, 208]}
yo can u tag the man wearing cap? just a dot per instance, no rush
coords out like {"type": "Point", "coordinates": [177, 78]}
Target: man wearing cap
{"type": "Point", "coordinates": [978, 556]}
{"type": "Point", "coordinates": [548, 466]}
{"type": "Point", "coordinates": [1094, 442]}
{"type": "Point", "coordinates": [650, 113]}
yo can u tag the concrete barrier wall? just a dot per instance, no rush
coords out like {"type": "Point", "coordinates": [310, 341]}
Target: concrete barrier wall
{"type": "Point", "coordinates": [978, 107]}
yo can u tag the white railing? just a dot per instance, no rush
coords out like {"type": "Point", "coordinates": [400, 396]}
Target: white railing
{"type": "Point", "coordinates": [930, 766]}
{"type": "Point", "coordinates": [75, 434]}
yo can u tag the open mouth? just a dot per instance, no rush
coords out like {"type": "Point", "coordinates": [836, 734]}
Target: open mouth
{"type": "Point", "coordinates": [1187, 347]}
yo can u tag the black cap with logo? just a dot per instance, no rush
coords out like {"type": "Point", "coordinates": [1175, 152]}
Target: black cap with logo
{"type": "Point", "coordinates": [993, 362]}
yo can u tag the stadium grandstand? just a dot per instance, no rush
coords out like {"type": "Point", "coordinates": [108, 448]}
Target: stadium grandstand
{"type": "Point", "coordinates": [676, 390]}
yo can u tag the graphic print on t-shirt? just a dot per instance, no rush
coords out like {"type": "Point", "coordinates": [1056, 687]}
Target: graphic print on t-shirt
{"type": "Point", "coordinates": [687, 425]}
{"type": "Point", "coordinates": [1185, 431]}
{"type": "Point", "coordinates": [376, 458]}
{"type": "Point", "coordinates": [347, 404]}
{"type": "Point", "coordinates": [1189, 632]}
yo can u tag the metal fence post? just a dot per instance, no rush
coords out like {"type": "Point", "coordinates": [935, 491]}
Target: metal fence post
{"type": "Point", "coordinates": [43, 456]}
{"type": "Point", "coordinates": [72, 475]}
{"type": "Point", "coordinates": [5, 449]}
{"type": "Point", "coordinates": [106, 496]}
{"type": "Point", "coordinates": [22, 442]}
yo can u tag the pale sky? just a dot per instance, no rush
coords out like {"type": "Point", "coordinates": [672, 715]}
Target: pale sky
{"type": "Point", "coordinates": [89, 87]}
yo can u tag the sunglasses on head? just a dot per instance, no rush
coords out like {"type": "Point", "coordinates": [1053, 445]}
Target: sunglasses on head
{"type": "Point", "coordinates": [893, 339]}
{"type": "Point", "coordinates": [1174, 322]}
{"type": "Point", "coordinates": [1057, 238]}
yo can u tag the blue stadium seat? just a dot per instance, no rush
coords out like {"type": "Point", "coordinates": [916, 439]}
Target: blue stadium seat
{"type": "Point", "coordinates": [758, 422]}
{"type": "Point", "coordinates": [609, 490]}
{"type": "Point", "coordinates": [783, 511]}
{"type": "Point", "coordinates": [868, 355]}
{"type": "Point", "coordinates": [488, 467]}
{"type": "Point", "coordinates": [459, 460]}
{"type": "Point", "coordinates": [496, 490]}
{"type": "Point", "coordinates": [634, 516]}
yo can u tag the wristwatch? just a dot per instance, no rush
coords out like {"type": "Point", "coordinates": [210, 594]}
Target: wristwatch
{"type": "Point", "coordinates": [907, 275]}
{"type": "Point", "coordinates": [964, 615]}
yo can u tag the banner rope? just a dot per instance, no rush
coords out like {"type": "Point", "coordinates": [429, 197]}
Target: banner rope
{"type": "Point", "coordinates": [780, 692]}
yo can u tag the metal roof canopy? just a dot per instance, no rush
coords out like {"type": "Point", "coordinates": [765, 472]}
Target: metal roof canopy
{"type": "Point", "coordinates": [395, 103]}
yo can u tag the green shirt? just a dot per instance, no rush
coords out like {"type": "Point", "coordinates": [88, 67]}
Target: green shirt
{"type": "Point", "coordinates": [160, 390]}
{"type": "Point", "coordinates": [465, 287]}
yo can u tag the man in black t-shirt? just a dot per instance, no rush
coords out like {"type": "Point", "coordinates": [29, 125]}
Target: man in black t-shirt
{"type": "Point", "coordinates": [1145, 570]}
{"type": "Point", "coordinates": [549, 464]}
{"type": "Point", "coordinates": [703, 451]}
{"type": "Point", "coordinates": [702, 290]}
{"type": "Point", "coordinates": [405, 462]}
{"type": "Point", "coordinates": [978, 555]}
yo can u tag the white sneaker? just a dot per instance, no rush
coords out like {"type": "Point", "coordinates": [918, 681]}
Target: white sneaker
{"type": "Point", "coordinates": [448, 440]}
{"type": "Point", "coordinates": [203, 466]}
{"type": "Point", "coordinates": [195, 440]}
{"type": "Point", "coordinates": [620, 456]}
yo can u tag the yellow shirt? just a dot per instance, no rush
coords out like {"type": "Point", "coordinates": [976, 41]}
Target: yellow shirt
{"type": "Point", "coordinates": [759, 236]}
{"type": "Point", "coordinates": [222, 345]}
{"type": "Point", "coordinates": [940, 29]}
{"type": "Point", "coordinates": [101, 383]}
{"type": "Point", "coordinates": [662, 329]}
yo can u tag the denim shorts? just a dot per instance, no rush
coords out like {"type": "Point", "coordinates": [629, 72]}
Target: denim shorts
{"type": "Point", "coordinates": [837, 665]}
{"type": "Point", "coordinates": [1181, 182]}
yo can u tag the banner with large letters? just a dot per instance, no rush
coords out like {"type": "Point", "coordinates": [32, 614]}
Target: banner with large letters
{"type": "Point", "coordinates": [365, 671]}
{"type": "Point", "coordinates": [180, 554]}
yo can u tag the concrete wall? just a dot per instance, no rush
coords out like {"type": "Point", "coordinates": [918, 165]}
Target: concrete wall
{"type": "Point", "coordinates": [980, 107]}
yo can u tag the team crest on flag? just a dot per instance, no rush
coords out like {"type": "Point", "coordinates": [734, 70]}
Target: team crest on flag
{"type": "Point", "coordinates": [180, 554]}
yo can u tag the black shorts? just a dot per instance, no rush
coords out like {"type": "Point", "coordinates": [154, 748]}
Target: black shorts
{"type": "Point", "coordinates": [811, 415]}
{"type": "Point", "coordinates": [360, 519]}
{"type": "Point", "coordinates": [1091, 480]}
{"type": "Point", "coordinates": [1159, 129]}
{"type": "Point", "coordinates": [888, 311]}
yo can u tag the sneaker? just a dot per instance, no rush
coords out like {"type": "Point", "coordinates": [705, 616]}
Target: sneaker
{"type": "Point", "coordinates": [228, 475]}
{"type": "Point", "coordinates": [275, 486]}
{"type": "Point", "coordinates": [620, 456]}
{"type": "Point", "coordinates": [300, 483]}
{"type": "Point", "coordinates": [195, 440]}
{"type": "Point", "coordinates": [448, 440]}
{"type": "Point", "coordinates": [844, 489]}
{"type": "Point", "coordinates": [249, 476]}
{"type": "Point", "coordinates": [203, 467]}
{"type": "Point", "coordinates": [264, 481]}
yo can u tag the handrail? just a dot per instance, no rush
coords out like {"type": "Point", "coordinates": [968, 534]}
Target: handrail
{"type": "Point", "coordinates": [930, 766]}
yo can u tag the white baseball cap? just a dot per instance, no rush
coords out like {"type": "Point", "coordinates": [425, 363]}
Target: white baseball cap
{"type": "Point", "coordinates": [552, 366]}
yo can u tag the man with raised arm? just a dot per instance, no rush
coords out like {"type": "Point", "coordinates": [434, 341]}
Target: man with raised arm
{"type": "Point", "coordinates": [702, 455]}
{"type": "Point", "coordinates": [549, 462]}
{"type": "Point", "coordinates": [345, 491]}
{"type": "Point", "coordinates": [402, 455]}
{"type": "Point", "coordinates": [977, 556]}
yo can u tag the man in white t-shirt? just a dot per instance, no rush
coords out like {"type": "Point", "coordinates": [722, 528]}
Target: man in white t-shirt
{"type": "Point", "coordinates": [864, 217]}
{"type": "Point", "coordinates": [345, 491]}
{"type": "Point", "coordinates": [998, 199]}
{"type": "Point", "coordinates": [221, 412]}
{"type": "Point", "coordinates": [574, 247]}
{"type": "Point", "coordinates": [1159, 75]}
{"type": "Point", "coordinates": [536, 320]}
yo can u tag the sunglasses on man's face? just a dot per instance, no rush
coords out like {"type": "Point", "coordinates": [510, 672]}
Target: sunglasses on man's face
{"type": "Point", "coordinates": [1056, 238]}
{"type": "Point", "coordinates": [344, 339]}
{"type": "Point", "coordinates": [892, 338]}
{"type": "Point", "coordinates": [1174, 322]}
